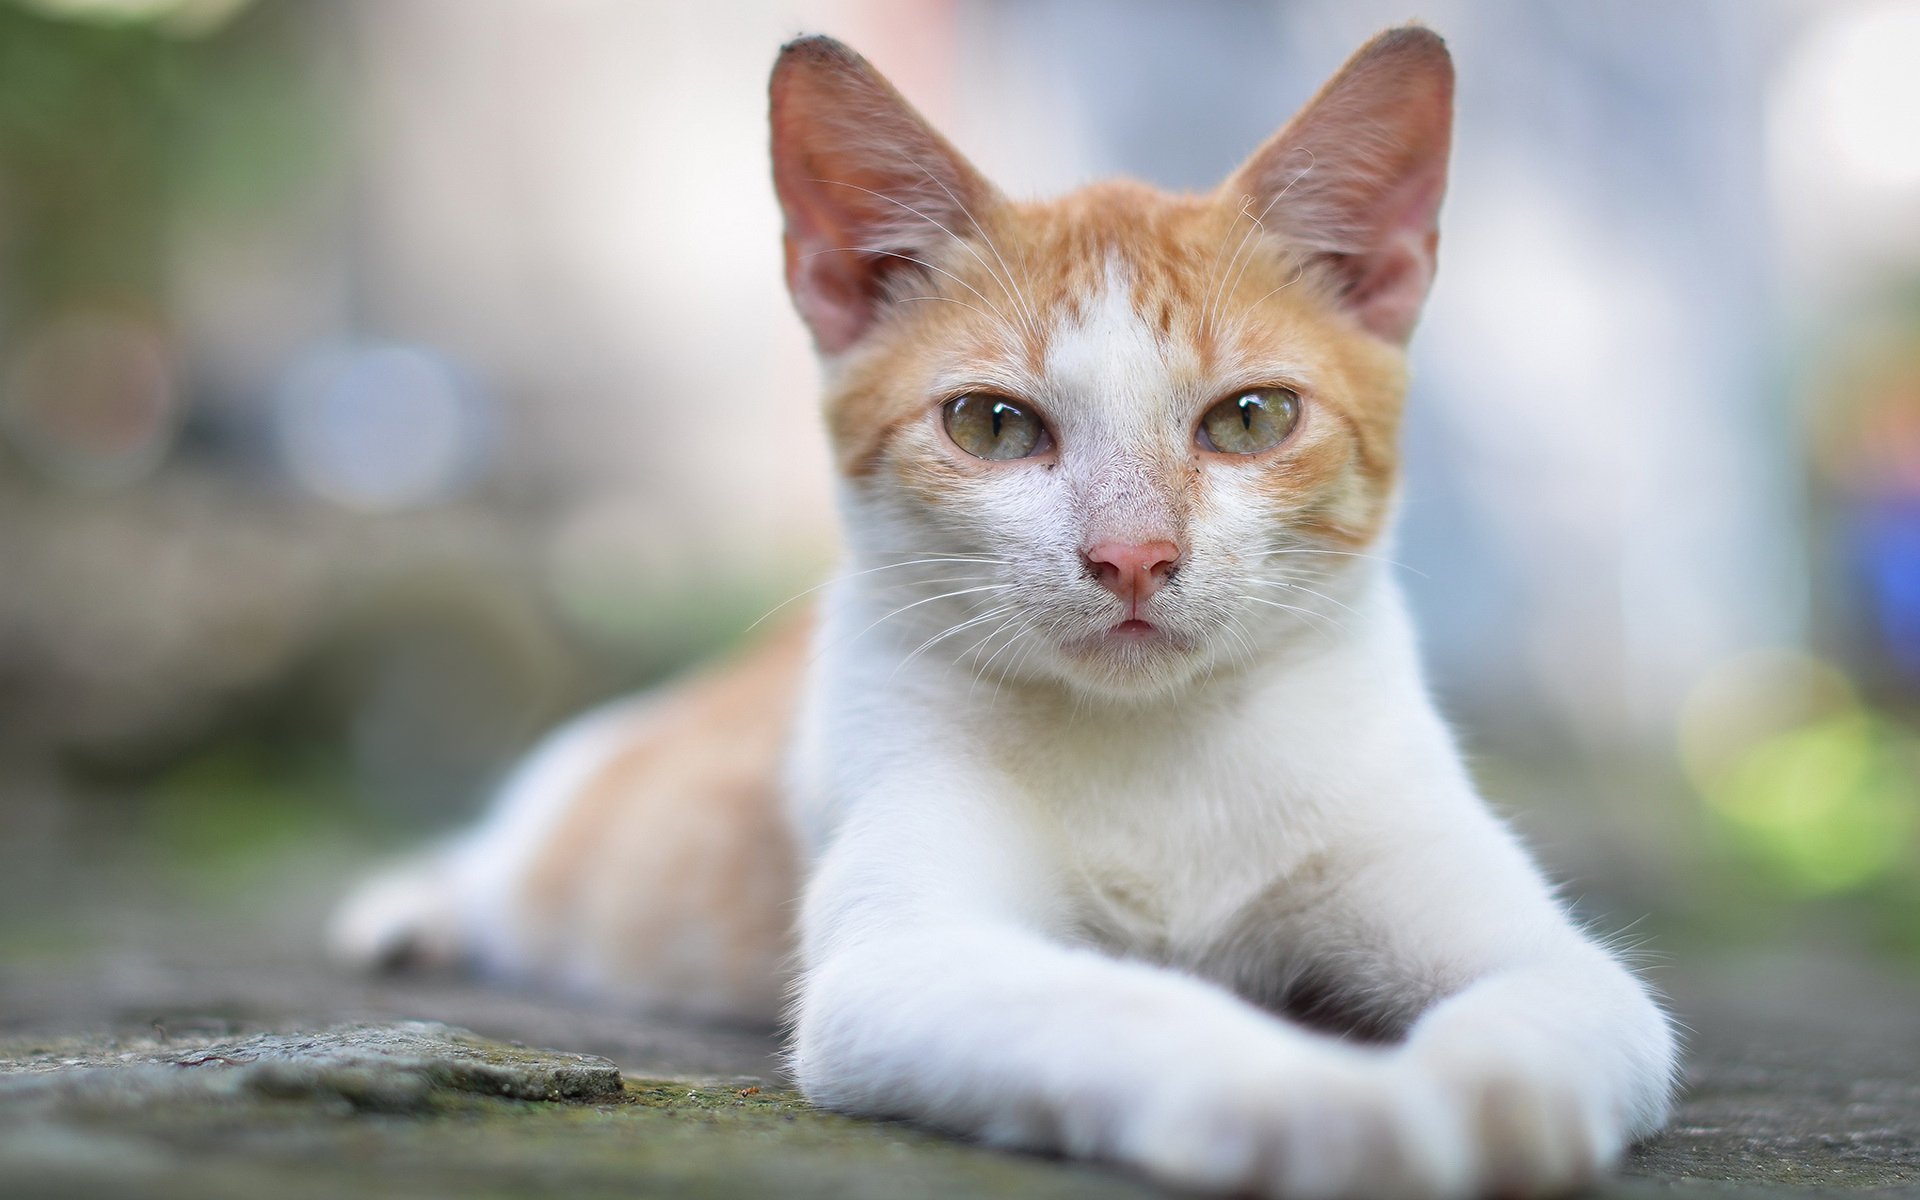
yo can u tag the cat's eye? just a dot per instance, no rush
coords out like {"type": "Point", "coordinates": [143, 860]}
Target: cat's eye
{"type": "Point", "coordinates": [1250, 421]}
{"type": "Point", "coordinates": [994, 427]}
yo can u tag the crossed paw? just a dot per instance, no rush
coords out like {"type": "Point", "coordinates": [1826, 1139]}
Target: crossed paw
{"type": "Point", "coordinates": [1371, 1126]}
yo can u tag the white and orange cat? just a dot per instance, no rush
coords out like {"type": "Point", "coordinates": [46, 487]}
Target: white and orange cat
{"type": "Point", "coordinates": [1119, 818]}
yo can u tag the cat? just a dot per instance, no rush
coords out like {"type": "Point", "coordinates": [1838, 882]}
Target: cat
{"type": "Point", "coordinates": [1119, 817]}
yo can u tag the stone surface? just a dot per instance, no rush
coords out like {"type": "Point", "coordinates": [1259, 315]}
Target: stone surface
{"type": "Point", "coordinates": [397, 1067]}
{"type": "Point", "coordinates": [151, 1047]}
{"type": "Point", "coordinates": [418, 1109]}
{"type": "Point", "coordinates": [1804, 1080]}
{"type": "Point", "coordinates": [1803, 1076]}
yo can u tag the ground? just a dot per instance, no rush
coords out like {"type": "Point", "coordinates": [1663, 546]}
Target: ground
{"type": "Point", "coordinates": [188, 1040]}
{"type": "Point", "coordinates": [198, 1078]}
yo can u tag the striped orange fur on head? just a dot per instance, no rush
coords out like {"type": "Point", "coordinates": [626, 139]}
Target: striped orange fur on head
{"type": "Point", "coordinates": [1118, 315]}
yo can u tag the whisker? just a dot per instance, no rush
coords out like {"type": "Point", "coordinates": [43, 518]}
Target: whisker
{"type": "Point", "coordinates": [1306, 549]}
{"type": "Point", "coordinates": [1033, 645]}
{"type": "Point", "coordinates": [964, 558]}
{"type": "Point", "coordinates": [993, 633]}
{"type": "Point", "coordinates": [1228, 627]}
{"type": "Point", "coordinates": [1219, 293]}
{"type": "Point", "coordinates": [1021, 626]}
{"type": "Point", "coordinates": [1238, 632]}
{"type": "Point", "coordinates": [1319, 595]}
{"type": "Point", "coordinates": [973, 651]}
{"type": "Point", "coordinates": [991, 587]}
{"type": "Point", "coordinates": [1261, 225]}
{"type": "Point", "coordinates": [1012, 672]}
{"type": "Point", "coordinates": [1300, 587]}
{"type": "Point", "coordinates": [989, 615]}
{"type": "Point", "coordinates": [1311, 571]}
{"type": "Point", "coordinates": [1221, 289]}
{"type": "Point", "coordinates": [838, 576]}
{"type": "Point", "coordinates": [975, 578]}
{"type": "Point", "coordinates": [1292, 580]}
{"type": "Point", "coordinates": [1033, 328]}
{"type": "Point", "coordinates": [948, 299]}
{"type": "Point", "coordinates": [1303, 612]}
{"type": "Point", "coordinates": [1248, 310]}
{"type": "Point", "coordinates": [1017, 294]}
{"type": "Point", "coordinates": [883, 252]}
{"type": "Point", "coordinates": [1217, 270]}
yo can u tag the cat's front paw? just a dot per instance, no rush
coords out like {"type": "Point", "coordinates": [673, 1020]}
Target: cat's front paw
{"type": "Point", "coordinates": [1533, 1128]}
{"type": "Point", "coordinates": [403, 916]}
{"type": "Point", "coordinates": [1345, 1127]}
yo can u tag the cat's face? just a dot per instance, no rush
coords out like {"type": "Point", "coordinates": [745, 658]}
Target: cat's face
{"type": "Point", "coordinates": [1135, 437]}
{"type": "Point", "coordinates": [1152, 391]}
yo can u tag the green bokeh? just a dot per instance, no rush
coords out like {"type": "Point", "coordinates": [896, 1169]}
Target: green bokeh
{"type": "Point", "coordinates": [1830, 806]}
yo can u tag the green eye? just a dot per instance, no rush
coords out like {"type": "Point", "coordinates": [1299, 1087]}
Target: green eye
{"type": "Point", "coordinates": [994, 427]}
{"type": "Point", "coordinates": [1251, 421]}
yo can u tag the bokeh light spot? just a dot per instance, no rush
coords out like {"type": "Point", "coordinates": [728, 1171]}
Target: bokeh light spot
{"type": "Point", "coordinates": [1831, 805]}
{"type": "Point", "coordinates": [89, 398]}
{"type": "Point", "coordinates": [1851, 96]}
{"type": "Point", "coordinates": [189, 18]}
{"type": "Point", "coordinates": [378, 428]}
{"type": "Point", "coordinates": [1753, 696]}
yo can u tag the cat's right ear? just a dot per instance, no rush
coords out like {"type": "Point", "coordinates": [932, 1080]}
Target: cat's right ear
{"type": "Point", "coordinates": [867, 187]}
{"type": "Point", "coordinates": [1356, 178]}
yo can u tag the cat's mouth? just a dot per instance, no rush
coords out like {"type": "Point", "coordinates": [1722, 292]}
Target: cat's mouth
{"type": "Point", "coordinates": [1128, 638]}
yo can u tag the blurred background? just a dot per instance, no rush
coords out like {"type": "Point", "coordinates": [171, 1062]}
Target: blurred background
{"type": "Point", "coordinates": [362, 365]}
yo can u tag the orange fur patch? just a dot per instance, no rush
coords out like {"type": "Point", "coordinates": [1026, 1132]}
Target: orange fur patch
{"type": "Point", "coordinates": [1201, 276]}
{"type": "Point", "coordinates": [673, 866]}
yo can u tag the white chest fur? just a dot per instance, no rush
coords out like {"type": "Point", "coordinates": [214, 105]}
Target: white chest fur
{"type": "Point", "coordinates": [1160, 825]}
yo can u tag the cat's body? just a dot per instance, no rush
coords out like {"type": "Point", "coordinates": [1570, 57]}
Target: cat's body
{"type": "Point", "coordinates": [1111, 743]}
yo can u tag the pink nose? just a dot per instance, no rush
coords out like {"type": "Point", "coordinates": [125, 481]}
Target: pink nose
{"type": "Point", "coordinates": [1132, 571]}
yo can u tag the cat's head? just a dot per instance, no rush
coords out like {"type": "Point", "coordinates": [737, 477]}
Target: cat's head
{"type": "Point", "coordinates": [1133, 434]}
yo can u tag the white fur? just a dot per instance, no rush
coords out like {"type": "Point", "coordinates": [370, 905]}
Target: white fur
{"type": "Point", "coordinates": [1059, 888]}
{"type": "Point", "coordinates": [1055, 896]}
{"type": "Point", "coordinates": [456, 901]}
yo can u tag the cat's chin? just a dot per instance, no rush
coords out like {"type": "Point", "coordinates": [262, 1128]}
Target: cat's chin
{"type": "Point", "coordinates": [1130, 658]}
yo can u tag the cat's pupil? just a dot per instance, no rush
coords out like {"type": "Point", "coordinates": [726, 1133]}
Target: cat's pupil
{"type": "Point", "coordinates": [1250, 421]}
{"type": "Point", "coordinates": [993, 429]}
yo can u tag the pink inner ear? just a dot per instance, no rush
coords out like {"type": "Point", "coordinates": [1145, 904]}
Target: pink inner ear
{"type": "Point", "coordinates": [1377, 137]}
{"type": "Point", "coordinates": [1388, 297]}
{"type": "Point", "coordinates": [1395, 277]}
{"type": "Point", "coordinates": [832, 281]}
{"type": "Point", "coordinates": [858, 173]}
{"type": "Point", "coordinates": [837, 319]}
{"type": "Point", "coordinates": [822, 270]}
{"type": "Point", "coordinates": [829, 283]}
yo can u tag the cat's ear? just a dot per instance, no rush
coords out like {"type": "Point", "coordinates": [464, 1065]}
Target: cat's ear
{"type": "Point", "coordinates": [1355, 179]}
{"type": "Point", "coordinates": [866, 185]}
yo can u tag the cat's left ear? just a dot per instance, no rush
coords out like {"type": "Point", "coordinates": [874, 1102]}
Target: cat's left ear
{"type": "Point", "coordinates": [1355, 179]}
{"type": "Point", "coordinates": [868, 188]}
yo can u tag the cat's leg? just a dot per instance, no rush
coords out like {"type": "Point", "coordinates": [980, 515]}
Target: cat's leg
{"type": "Point", "coordinates": [1554, 1052]}
{"type": "Point", "coordinates": [641, 852]}
{"type": "Point", "coordinates": [934, 990]}
{"type": "Point", "coordinates": [407, 914]}
{"type": "Point", "coordinates": [449, 903]}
